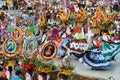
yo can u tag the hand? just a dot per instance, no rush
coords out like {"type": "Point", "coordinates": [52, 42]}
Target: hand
{"type": "Point", "coordinates": [109, 41]}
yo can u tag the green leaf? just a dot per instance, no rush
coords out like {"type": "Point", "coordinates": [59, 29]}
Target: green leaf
{"type": "Point", "coordinates": [10, 28]}
{"type": "Point", "coordinates": [32, 28]}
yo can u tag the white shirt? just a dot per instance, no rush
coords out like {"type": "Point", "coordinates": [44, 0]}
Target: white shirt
{"type": "Point", "coordinates": [64, 35]}
{"type": "Point", "coordinates": [8, 74]}
{"type": "Point", "coordinates": [1, 4]}
{"type": "Point", "coordinates": [40, 77]}
{"type": "Point", "coordinates": [44, 37]}
{"type": "Point", "coordinates": [101, 3]}
{"type": "Point", "coordinates": [87, 2]}
{"type": "Point", "coordinates": [76, 8]}
{"type": "Point", "coordinates": [27, 76]}
{"type": "Point", "coordinates": [105, 38]}
{"type": "Point", "coordinates": [29, 4]}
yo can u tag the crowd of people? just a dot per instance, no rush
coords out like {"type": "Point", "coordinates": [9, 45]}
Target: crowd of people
{"type": "Point", "coordinates": [29, 12]}
{"type": "Point", "coordinates": [33, 4]}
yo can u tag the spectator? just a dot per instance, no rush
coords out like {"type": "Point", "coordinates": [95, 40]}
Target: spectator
{"type": "Point", "coordinates": [1, 78]}
{"type": "Point", "coordinates": [116, 7]}
{"type": "Point", "coordinates": [5, 7]}
{"type": "Point", "coordinates": [10, 4]}
{"type": "Point", "coordinates": [48, 15]}
{"type": "Point", "coordinates": [1, 4]}
{"type": "Point", "coordinates": [15, 4]}
{"type": "Point", "coordinates": [17, 75]}
{"type": "Point", "coordinates": [3, 74]}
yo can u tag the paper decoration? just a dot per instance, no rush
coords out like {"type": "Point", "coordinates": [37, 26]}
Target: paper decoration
{"type": "Point", "coordinates": [30, 47]}
{"type": "Point", "coordinates": [49, 51]}
{"type": "Point", "coordinates": [16, 34]}
{"type": "Point", "coordinates": [10, 48]}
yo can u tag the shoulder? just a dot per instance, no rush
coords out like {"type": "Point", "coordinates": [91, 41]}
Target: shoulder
{"type": "Point", "coordinates": [16, 78]}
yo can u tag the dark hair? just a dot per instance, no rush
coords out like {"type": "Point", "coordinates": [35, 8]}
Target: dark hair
{"type": "Point", "coordinates": [105, 31]}
{"type": "Point", "coordinates": [10, 68]}
{"type": "Point", "coordinates": [95, 35]}
{"type": "Point", "coordinates": [30, 71]}
{"type": "Point", "coordinates": [51, 48]}
{"type": "Point", "coordinates": [18, 72]}
{"type": "Point", "coordinates": [1, 68]}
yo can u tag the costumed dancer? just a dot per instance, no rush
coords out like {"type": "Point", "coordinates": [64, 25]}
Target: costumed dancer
{"type": "Point", "coordinates": [79, 34]}
{"type": "Point", "coordinates": [109, 48]}
{"type": "Point", "coordinates": [64, 40]}
{"type": "Point", "coordinates": [46, 58]}
{"type": "Point", "coordinates": [46, 36]}
{"type": "Point", "coordinates": [117, 37]}
{"type": "Point", "coordinates": [55, 36]}
{"type": "Point", "coordinates": [94, 57]}
{"type": "Point", "coordinates": [105, 36]}
{"type": "Point", "coordinates": [117, 31]}
{"type": "Point", "coordinates": [65, 63]}
{"type": "Point", "coordinates": [66, 59]}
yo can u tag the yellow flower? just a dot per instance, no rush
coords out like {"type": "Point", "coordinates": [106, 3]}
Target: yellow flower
{"type": "Point", "coordinates": [94, 23]}
{"type": "Point", "coordinates": [81, 15]}
{"type": "Point", "coordinates": [98, 9]}
{"type": "Point", "coordinates": [107, 8]}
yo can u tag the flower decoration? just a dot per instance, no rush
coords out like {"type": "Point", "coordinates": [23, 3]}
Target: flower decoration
{"type": "Point", "coordinates": [45, 68]}
{"type": "Point", "coordinates": [42, 18]}
{"type": "Point", "coordinates": [64, 16]}
{"type": "Point", "coordinates": [102, 20]}
{"type": "Point", "coordinates": [30, 48]}
{"type": "Point", "coordinates": [16, 33]}
{"type": "Point", "coordinates": [28, 64]}
{"type": "Point", "coordinates": [108, 19]}
{"type": "Point", "coordinates": [97, 17]}
{"type": "Point", "coordinates": [26, 32]}
{"type": "Point", "coordinates": [81, 16]}
{"type": "Point", "coordinates": [66, 70]}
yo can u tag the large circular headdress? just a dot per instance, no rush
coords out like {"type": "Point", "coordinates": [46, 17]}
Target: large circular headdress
{"type": "Point", "coordinates": [30, 48]}
{"type": "Point", "coordinates": [48, 52]}
{"type": "Point", "coordinates": [10, 48]}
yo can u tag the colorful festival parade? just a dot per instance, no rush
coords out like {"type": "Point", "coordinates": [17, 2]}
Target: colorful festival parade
{"type": "Point", "coordinates": [59, 39]}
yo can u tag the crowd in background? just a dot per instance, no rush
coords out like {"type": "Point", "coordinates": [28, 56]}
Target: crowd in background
{"type": "Point", "coordinates": [34, 4]}
{"type": "Point", "coordinates": [29, 14]}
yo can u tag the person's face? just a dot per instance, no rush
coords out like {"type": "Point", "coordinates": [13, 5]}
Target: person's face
{"type": "Point", "coordinates": [96, 37]}
{"type": "Point", "coordinates": [79, 30]}
{"type": "Point", "coordinates": [49, 48]}
{"type": "Point", "coordinates": [48, 51]}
